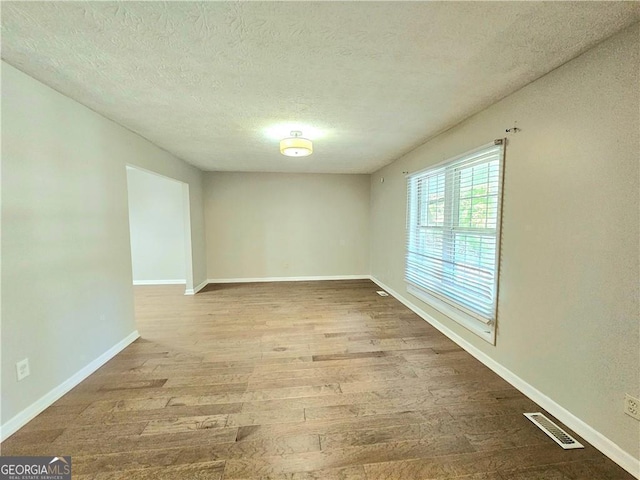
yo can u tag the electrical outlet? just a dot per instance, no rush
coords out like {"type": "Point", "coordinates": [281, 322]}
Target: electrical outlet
{"type": "Point", "coordinates": [632, 406]}
{"type": "Point", "coordinates": [22, 369]}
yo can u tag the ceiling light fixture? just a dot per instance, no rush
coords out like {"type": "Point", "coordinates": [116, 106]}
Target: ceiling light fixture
{"type": "Point", "coordinates": [296, 145]}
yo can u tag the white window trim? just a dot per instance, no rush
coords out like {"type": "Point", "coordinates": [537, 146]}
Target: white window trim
{"type": "Point", "coordinates": [485, 331]}
{"type": "Point", "coordinates": [448, 307]}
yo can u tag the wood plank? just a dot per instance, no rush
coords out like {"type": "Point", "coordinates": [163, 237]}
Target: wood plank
{"type": "Point", "coordinates": [467, 464]}
{"type": "Point", "coordinates": [347, 356]}
{"type": "Point", "coordinates": [353, 472]}
{"type": "Point", "coordinates": [167, 426]}
{"type": "Point", "coordinates": [361, 455]}
{"type": "Point", "coordinates": [265, 417]}
{"type": "Point", "coordinates": [199, 471]}
{"type": "Point", "coordinates": [160, 413]}
{"type": "Point", "coordinates": [113, 462]}
{"type": "Point", "coordinates": [73, 446]}
{"type": "Point", "coordinates": [331, 425]}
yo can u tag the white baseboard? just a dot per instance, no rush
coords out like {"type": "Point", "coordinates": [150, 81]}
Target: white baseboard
{"type": "Point", "coordinates": [289, 279]}
{"type": "Point", "coordinates": [193, 291]}
{"type": "Point", "coordinates": [160, 282]}
{"type": "Point", "coordinates": [591, 435]}
{"type": "Point", "coordinates": [21, 419]}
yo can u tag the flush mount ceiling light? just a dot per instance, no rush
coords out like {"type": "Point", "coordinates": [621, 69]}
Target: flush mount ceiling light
{"type": "Point", "coordinates": [295, 145]}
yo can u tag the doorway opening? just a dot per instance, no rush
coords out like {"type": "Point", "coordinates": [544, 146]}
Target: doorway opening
{"type": "Point", "coordinates": [160, 229]}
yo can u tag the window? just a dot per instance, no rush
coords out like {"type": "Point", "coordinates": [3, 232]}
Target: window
{"type": "Point", "coordinates": [453, 237]}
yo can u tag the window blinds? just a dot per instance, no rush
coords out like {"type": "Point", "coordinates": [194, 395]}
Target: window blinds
{"type": "Point", "coordinates": [453, 230]}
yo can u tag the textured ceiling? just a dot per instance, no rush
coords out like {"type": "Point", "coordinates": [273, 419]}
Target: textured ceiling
{"type": "Point", "coordinates": [206, 81]}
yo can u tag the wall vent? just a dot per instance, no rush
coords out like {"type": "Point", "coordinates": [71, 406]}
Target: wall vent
{"type": "Point", "coordinates": [382, 293]}
{"type": "Point", "coordinates": [557, 434]}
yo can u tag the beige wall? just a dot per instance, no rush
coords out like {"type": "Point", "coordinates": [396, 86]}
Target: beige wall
{"type": "Point", "coordinates": [66, 266]}
{"type": "Point", "coordinates": [286, 225]}
{"type": "Point", "coordinates": [568, 321]}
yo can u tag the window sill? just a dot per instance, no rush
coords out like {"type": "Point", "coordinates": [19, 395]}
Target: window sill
{"type": "Point", "coordinates": [482, 330]}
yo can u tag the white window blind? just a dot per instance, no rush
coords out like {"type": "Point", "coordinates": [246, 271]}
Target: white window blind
{"type": "Point", "coordinates": [453, 231]}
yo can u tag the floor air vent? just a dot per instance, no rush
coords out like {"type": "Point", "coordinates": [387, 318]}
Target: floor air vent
{"type": "Point", "coordinates": [558, 435]}
{"type": "Point", "coordinates": [382, 293]}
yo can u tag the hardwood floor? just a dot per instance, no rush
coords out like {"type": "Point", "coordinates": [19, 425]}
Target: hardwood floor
{"type": "Point", "coordinates": [305, 380]}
